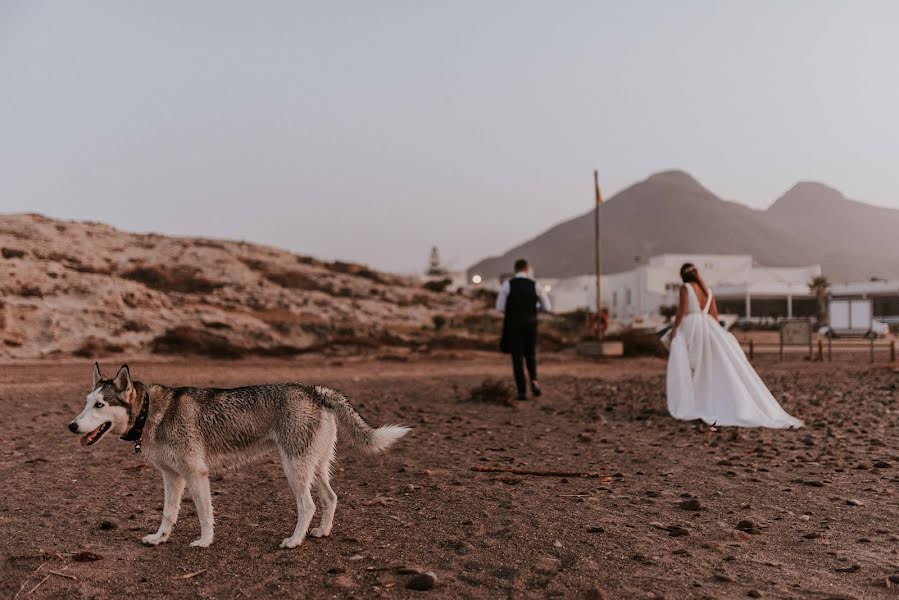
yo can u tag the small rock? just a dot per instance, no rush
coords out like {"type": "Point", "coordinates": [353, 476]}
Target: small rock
{"type": "Point", "coordinates": [86, 557]}
{"type": "Point", "coordinates": [422, 582]}
{"type": "Point", "coordinates": [723, 577]}
{"type": "Point", "coordinates": [342, 582]}
{"type": "Point", "coordinates": [812, 535]}
{"type": "Point", "coordinates": [748, 526]}
{"type": "Point", "coordinates": [754, 594]}
{"type": "Point", "coordinates": [882, 464]}
{"type": "Point", "coordinates": [894, 578]}
{"type": "Point", "coordinates": [675, 531]}
{"type": "Point", "coordinates": [849, 569]}
{"type": "Point", "coordinates": [691, 504]}
{"type": "Point", "coordinates": [356, 557]}
{"type": "Point", "coordinates": [557, 544]}
{"type": "Point", "coordinates": [595, 530]}
{"type": "Point", "coordinates": [108, 525]}
{"type": "Point", "coordinates": [804, 517]}
{"type": "Point", "coordinates": [596, 593]}
{"type": "Point", "coordinates": [854, 502]}
{"type": "Point", "coordinates": [408, 571]}
{"type": "Point", "coordinates": [813, 483]}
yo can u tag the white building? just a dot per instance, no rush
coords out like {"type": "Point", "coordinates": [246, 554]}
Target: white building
{"type": "Point", "coordinates": [741, 287]}
{"type": "Point", "coordinates": [883, 293]}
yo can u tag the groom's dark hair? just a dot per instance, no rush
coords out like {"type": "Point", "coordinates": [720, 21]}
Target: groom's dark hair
{"type": "Point", "coordinates": [521, 265]}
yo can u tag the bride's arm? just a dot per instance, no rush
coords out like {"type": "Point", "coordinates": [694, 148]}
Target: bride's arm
{"type": "Point", "coordinates": [681, 310]}
{"type": "Point", "coordinates": [713, 309]}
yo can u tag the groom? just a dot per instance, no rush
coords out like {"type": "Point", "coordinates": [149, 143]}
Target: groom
{"type": "Point", "coordinates": [519, 300]}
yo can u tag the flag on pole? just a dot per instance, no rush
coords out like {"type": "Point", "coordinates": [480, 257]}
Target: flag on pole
{"type": "Point", "coordinates": [596, 185]}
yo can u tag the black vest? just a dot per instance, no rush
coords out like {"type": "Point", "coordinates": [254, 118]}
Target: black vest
{"type": "Point", "coordinates": [521, 305]}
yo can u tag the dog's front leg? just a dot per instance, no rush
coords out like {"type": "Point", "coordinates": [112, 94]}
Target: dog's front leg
{"type": "Point", "coordinates": [199, 490]}
{"type": "Point", "coordinates": [174, 489]}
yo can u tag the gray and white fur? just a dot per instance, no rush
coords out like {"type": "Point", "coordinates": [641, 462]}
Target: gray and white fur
{"type": "Point", "coordinates": [192, 432]}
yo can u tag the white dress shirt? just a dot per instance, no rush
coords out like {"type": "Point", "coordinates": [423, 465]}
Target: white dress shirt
{"type": "Point", "coordinates": [543, 303]}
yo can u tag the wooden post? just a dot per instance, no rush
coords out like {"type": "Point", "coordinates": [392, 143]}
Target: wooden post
{"type": "Point", "coordinates": [597, 259]}
{"type": "Point", "coordinates": [820, 351]}
{"type": "Point", "coordinates": [751, 349]}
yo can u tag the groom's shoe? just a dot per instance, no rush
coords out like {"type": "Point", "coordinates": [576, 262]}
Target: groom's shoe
{"type": "Point", "coordinates": [535, 389]}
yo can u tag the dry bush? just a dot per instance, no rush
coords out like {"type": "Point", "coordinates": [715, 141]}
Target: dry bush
{"type": "Point", "coordinates": [188, 340]}
{"type": "Point", "coordinates": [178, 278]}
{"type": "Point", "coordinates": [491, 391]}
{"type": "Point", "coordinates": [298, 280]}
{"type": "Point", "coordinates": [93, 347]}
{"type": "Point", "coordinates": [12, 253]}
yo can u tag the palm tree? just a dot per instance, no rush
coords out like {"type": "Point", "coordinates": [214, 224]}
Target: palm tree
{"type": "Point", "coordinates": [820, 287]}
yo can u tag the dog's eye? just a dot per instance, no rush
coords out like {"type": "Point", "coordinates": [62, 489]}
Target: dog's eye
{"type": "Point", "coordinates": [98, 405]}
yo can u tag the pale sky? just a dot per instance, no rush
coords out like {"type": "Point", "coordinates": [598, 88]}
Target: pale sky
{"type": "Point", "coordinates": [369, 131]}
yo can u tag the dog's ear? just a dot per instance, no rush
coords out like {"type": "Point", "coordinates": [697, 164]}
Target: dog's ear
{"type": "Point", "coordinates": [122, 381]}
{"type": "Point", "coordinates": [97, 375]}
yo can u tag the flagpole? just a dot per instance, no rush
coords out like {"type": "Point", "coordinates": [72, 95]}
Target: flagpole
{"type": "Point", "coordinates": [597, 261]}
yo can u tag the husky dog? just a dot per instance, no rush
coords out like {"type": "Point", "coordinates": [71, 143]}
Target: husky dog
{"type": "Point", "coordinates": [188, 433]}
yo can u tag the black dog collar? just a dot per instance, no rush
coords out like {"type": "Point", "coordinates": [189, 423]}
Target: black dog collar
{"type": "Point", "coordinates": [136, 431]}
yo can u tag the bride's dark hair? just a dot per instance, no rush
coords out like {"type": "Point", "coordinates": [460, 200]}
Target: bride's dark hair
{"type": "Point", "coordinates": [689, 274]}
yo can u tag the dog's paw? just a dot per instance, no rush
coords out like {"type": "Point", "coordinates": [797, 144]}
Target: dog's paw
{"type": "Point", "coordinates": [319, 532]}
{"type": "Point", "coordinates": [291, 542]}
{"type": "Point", "coordinates": [154, 539]}
{"type": "Point", "coordinates": [201, 543]}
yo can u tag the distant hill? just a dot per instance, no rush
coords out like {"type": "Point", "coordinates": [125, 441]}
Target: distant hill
{"type": "Point", "coordinates": [88, 289]}
{"type": "Point", "coordinates": [671, 212]}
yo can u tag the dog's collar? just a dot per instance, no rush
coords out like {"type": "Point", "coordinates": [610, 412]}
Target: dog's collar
{"type": "Point", "coordinates": [135, 433]}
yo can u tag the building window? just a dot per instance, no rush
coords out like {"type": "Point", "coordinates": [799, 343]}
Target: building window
{"type": "Point", "coordinates": [627, 297]}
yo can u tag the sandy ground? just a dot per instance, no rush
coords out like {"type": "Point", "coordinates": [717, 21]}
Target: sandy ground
{"type": "Point", "coordinates": [822, 500]}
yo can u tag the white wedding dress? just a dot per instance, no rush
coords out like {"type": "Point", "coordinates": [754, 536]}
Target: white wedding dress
{"type": "Point", "coordinates": [709, 377]}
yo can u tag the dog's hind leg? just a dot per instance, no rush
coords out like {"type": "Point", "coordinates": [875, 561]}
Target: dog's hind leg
{"type": "Point", "coordinates": [300, 474]}
{"type": "Point", "coordinates": [174, 489]}
{"type": "Point", "coordinates": [325, 494]}
{"type": "Point", "coordinates": [198, 483]}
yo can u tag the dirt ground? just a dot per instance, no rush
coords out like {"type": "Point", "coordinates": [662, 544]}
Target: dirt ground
{"type": "Point", "coordinates": [661, 521]}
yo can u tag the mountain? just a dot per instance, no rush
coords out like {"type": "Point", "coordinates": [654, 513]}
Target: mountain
{"type": "Point", "coordinates": [88, 289]}
{"type": "Point", "coordinates": [671, 212]}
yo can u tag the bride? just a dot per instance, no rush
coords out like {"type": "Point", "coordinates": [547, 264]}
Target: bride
{"type": "Point", "coordinates": [709, 377]}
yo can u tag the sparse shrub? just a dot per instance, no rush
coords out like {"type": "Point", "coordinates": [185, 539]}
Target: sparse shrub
{"type": "Point", "coordinates": [491, 391]}
{"type": "Point", "coordinates": [188, 340]}
{"type": "Point", "coordinates": [135, 326]}
{"type": "Point", "coordinates": [437, 285]}
{"type": "Point", "coordinates": [178, 278]}
{"type": "Point", "coordinates": [93, 347]}
{"type": "Point", "coordinates": [31, 291]}
{"type": "Point", "coordinates": [668, 311]}
{"type": "Point", "coordinates": [439, 322]}
{"type": "Point", "coordinates": [488, 297]}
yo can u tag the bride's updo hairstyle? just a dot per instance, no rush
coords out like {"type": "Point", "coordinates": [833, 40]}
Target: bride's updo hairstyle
{"type": "Point", "coordinates": [690, 274]}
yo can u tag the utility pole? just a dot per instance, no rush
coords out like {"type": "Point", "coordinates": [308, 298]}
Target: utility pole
{"type": "Point", "coordinates": [597, 259]}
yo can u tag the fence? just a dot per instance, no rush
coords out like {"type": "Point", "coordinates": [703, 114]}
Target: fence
{"type": "Point", "coordinates": [870, 350]}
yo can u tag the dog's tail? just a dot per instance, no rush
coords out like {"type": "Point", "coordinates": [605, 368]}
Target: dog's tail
{"type": "Point", "coordinates": [350, 422]}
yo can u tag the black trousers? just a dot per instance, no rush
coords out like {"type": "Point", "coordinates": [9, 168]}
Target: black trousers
{"type": "Point", "coordinates": [522, 345]}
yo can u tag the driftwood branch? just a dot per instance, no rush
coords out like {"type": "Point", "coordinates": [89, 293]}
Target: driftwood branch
{"type": "Point", "coordinates": [538, 472]}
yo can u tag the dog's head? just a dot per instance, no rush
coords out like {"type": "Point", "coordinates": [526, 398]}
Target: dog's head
{"type": "Point", "coordinates": [109, 406]}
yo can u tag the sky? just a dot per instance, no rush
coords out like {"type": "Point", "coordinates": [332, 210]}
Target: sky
{"type": "Point", "coordinates": [370, 131]}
